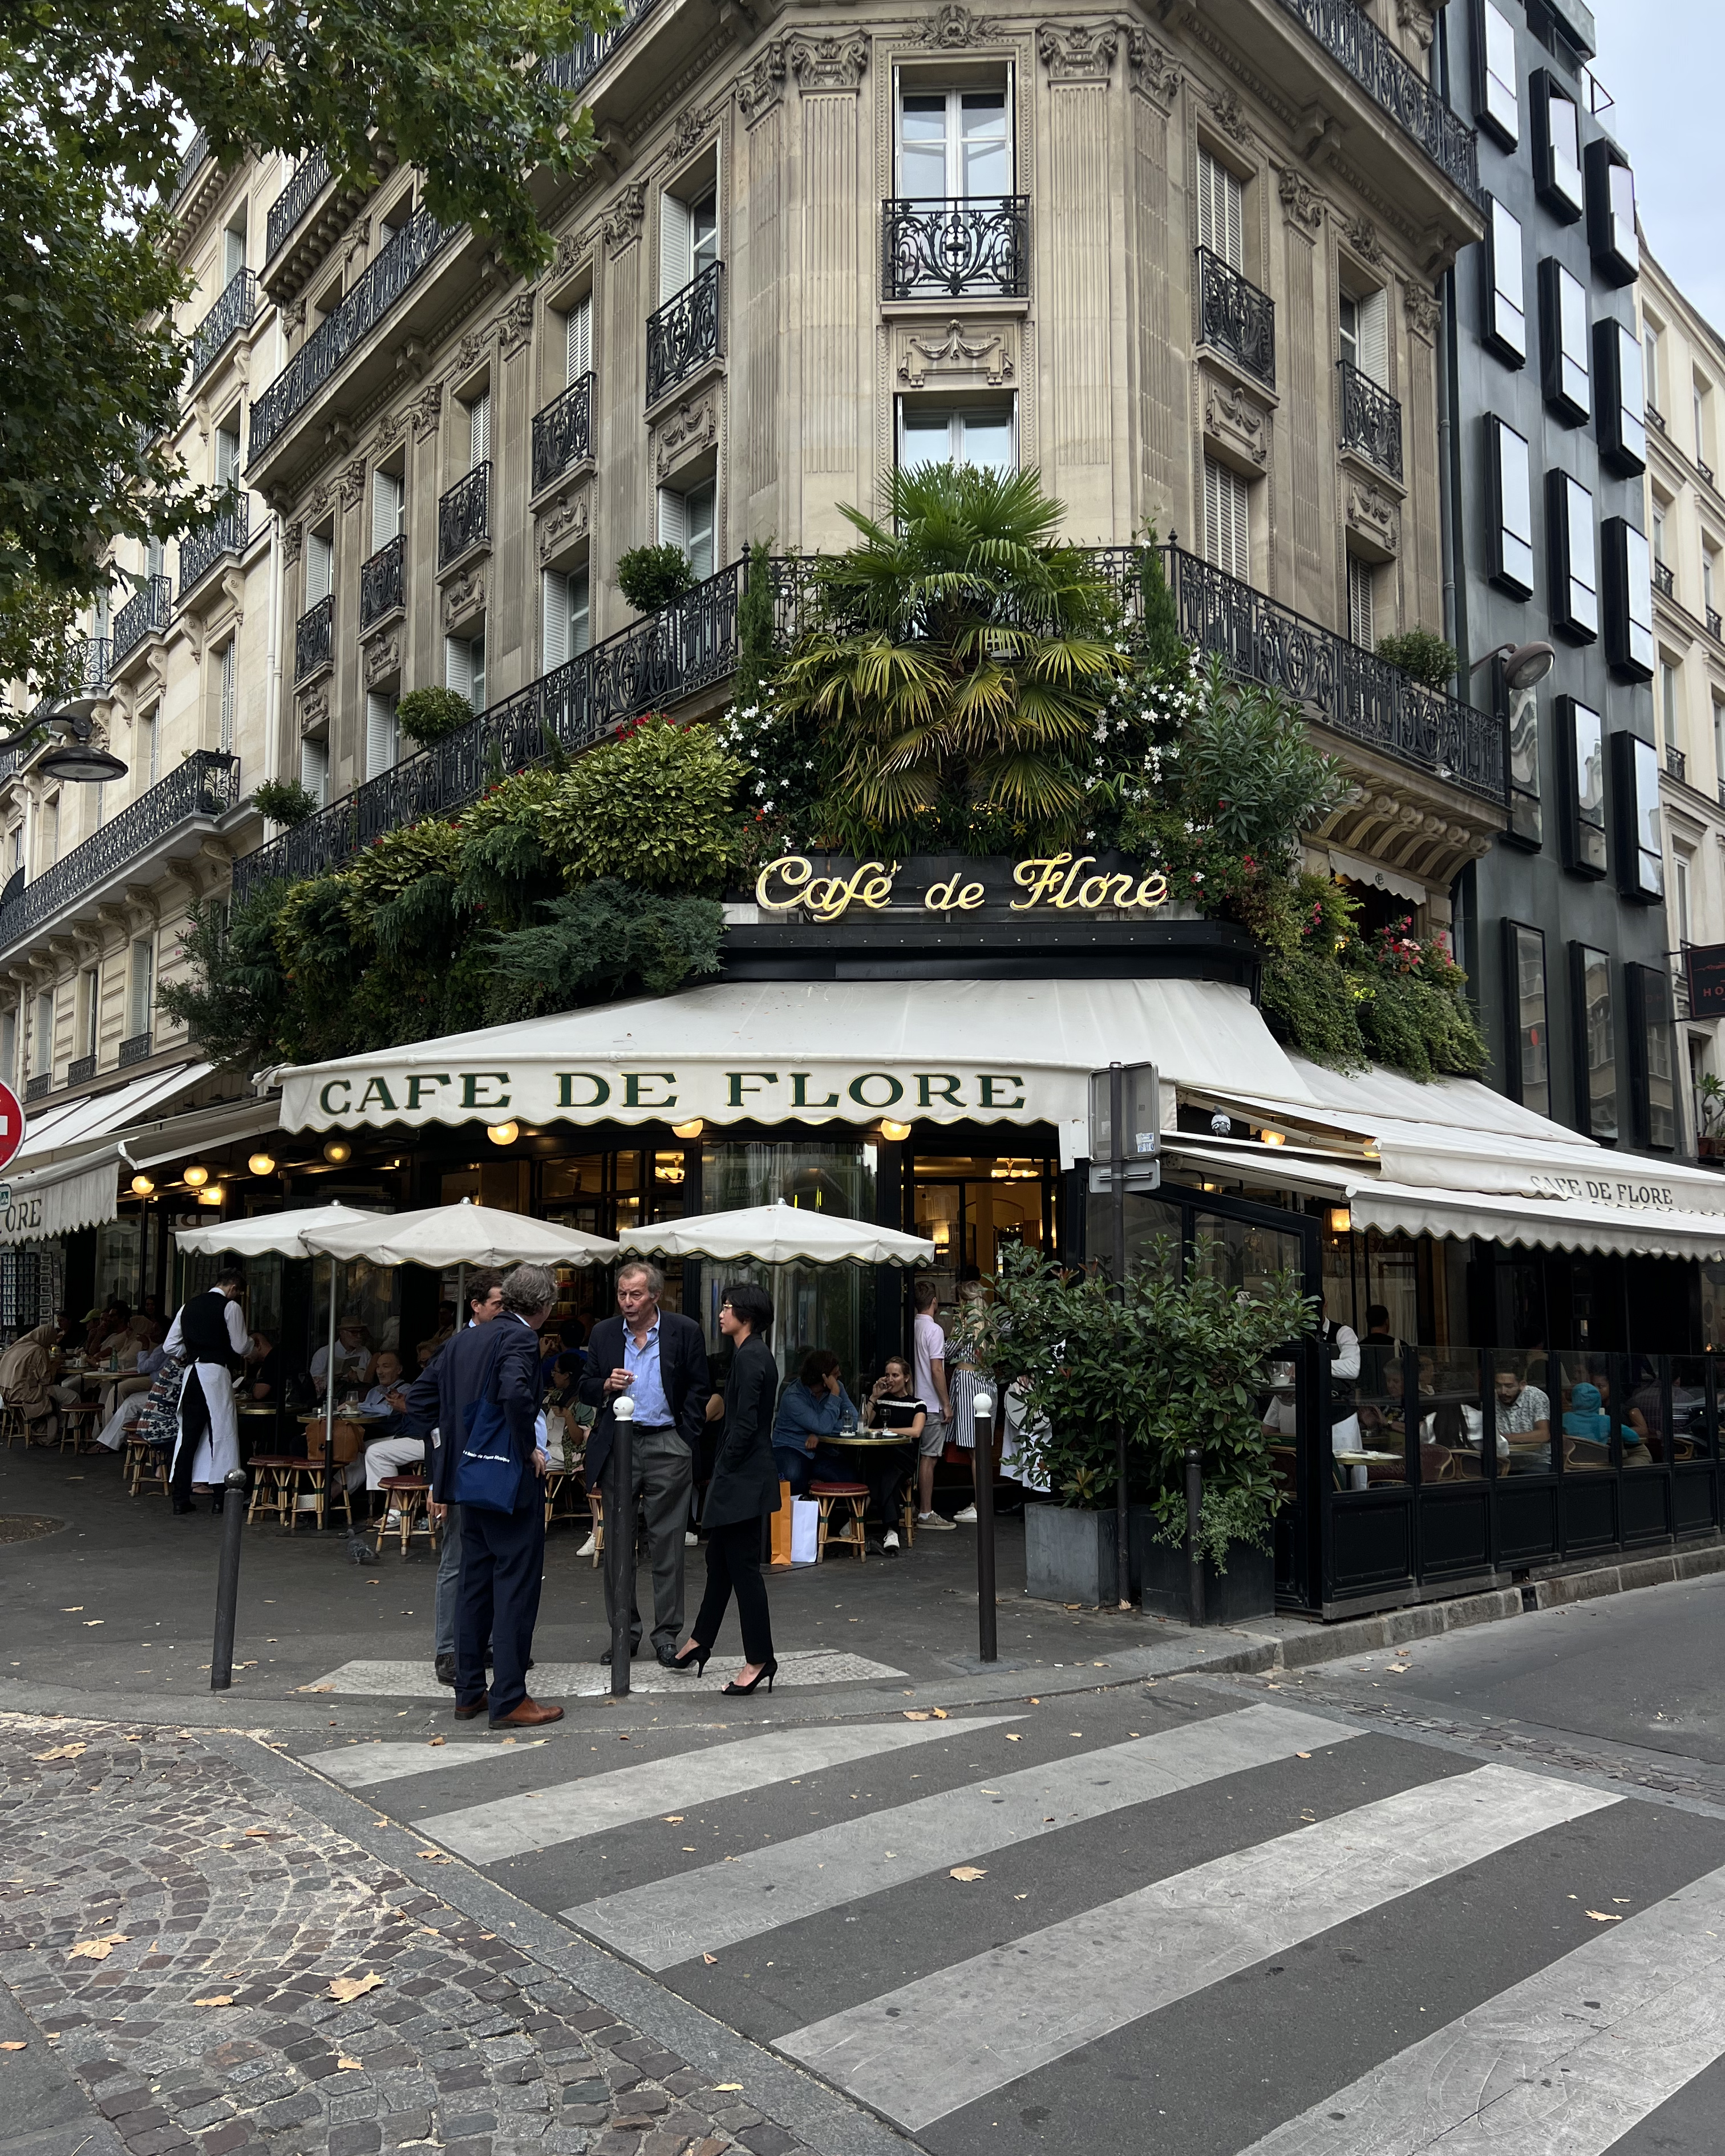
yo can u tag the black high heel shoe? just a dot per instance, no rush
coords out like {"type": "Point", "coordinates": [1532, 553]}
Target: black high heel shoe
{"type": "Point", "coordinates": [691, 1658]}
{"type": "Point", "coordinates": [768, 1669]}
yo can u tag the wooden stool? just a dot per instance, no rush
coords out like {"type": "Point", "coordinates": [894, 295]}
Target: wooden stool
{"type": "Point", "coordinates": [596, 1514]}
{"type": "Point", "coordinates": [335, 1492]}
{"type": "Point", "coordinates": [280, 1480]}
{"type": "Point", "coordinates": [78, 1425]}
{"type": "Point", "coordinates": [407, 1494]}
{"type": "Point", "coordinates": [144, 1460]}
{"type": "Point", "coordinates": [855, 1497]}
{"type": "Point", "coordinates": [12, 1427]}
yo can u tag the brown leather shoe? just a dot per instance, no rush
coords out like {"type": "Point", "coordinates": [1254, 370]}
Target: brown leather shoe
{"type": "Point", "coordinates": [478, 1706]}
{"type": "Point", "coordinates": [528, 1716]}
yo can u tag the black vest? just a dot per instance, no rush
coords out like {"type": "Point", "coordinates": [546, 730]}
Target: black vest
{"type": "Point", "coordinates": [203, 1326]}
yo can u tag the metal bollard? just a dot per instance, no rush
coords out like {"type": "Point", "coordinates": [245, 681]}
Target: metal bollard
{"type": "Point", "coordinates": [620, 1556]}
{"type": "Point", "coordinates": [1194, 1552]}
{"type": "Point", "coordinates": [987, 1649]}
{"type": "Point", "coordinates": [221, 1660]}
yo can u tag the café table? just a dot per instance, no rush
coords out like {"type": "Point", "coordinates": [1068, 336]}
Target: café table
{"type": "Point", "coordinates": [867, 1440]}
{"type": "Point", "coordinates": [1360, 1464]}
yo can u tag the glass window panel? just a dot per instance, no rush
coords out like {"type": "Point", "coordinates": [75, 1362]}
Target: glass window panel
{"type": "Point", "coordinates": [985, 438]}
{"type": "Point", "coordinates": [1374, 1450]}
{"type": "Point", "coordinates": [925, 437]}
{"type": "Point", "coordinates": [1560, 151]}
{"type": "Point", "coordinates": [922, 144]}
{"type": "Point", "coordinates": [1526, 819]}
{"type": "Point", "coordinates": [1452, 1417]}
{"type": "Point", "coordinates": [1596, 1034]}
{"type": "Point", "coordinates": [1532, 1038]}
{"type": "Point", "coordinates": [1506, 324]}
{"type": "Point", "coordinates": [1501, 99]}
{"type": "Point", "coordinates": [1690, 1434]}
{"type": "Point", "coordinates": [1574, 577]}
{"type": "Point", "coordinates": [1520, 1402]}
{"type": "Point", "coordinates": [1511, 496]}
{"type": "Point", "coordinates": [1564, 335]}
{"type": "Point", "coordinates": [985, 168]}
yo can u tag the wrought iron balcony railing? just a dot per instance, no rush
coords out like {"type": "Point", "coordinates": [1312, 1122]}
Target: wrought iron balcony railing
{"type": "Point", "coordinates": [1371, 420]}
{"type": "Point", "coordinates": [1360, 49]}
{"type": "Point", "coordinates": [1235, 318]}
{"type": "Point", "coordinates": [1665, 579]}
{"type": "Point", "coordinates": [80, 1068]}
{"type": "Point", "coordinates": [232, 312]}
{"type": "Point", "coordinates": [37, 1088]}
{"type": "Point", "coordinates": [192, 163]}
{"type": "Point", "coordinates": [305, 184]}
{"type": "Point", "coordinates": [207, 784]}
{"type": "Point", "coordinates": [1654, 419]}
{"type": "Point", "coordinates": [314, 638]}
{"type": "Point", "coordinates": [135, 1050]}
{"type": "Point", "coordinates": [686, 332]}
{"type": "Point", "coordinates": [1705, 469]}
{"type": "Point", "coordinates": [200, 551]}
{"type": "Point", "coordinates": [575, 70]}
{"type": "Point", "coordinates": [342, 332]}
{"type": "Point", "coordinates": [464, 515]}
{"type": "Point", "coordinates": [562, 432]}
{"type": "Point", "coordinates": [382, 581]}
{"type": "Point", "coordinates": [1716, 625]}
{"type": "Point", "coordinates": [962, 247]}
{"type": "Point", "coordinates": [1676, 763]}
{"type": "Point", "coordinates": [148, 610]}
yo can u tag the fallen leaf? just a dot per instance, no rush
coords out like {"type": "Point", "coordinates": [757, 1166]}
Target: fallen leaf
{"type": "Point", "coordinates": [132, 1740]}
{"type": "Point", "coordinates": [433, 1855]}
{"type": "Point", "coordinates": [1035, 1702]}
{"type": "Point", "coordinates": [347, 2065]}
{"type": "Point", "coordinates": [713, 1962]}
{"type": "Point", "coordinates": [917, 1714]}
{"type": "Point", "coordinates": [1602, 1915]}
{"type": "Point", "coordinates": [345, 1988]}
{"type": "Point", "coordinates": [14, 2047]}
{"type": "Point", "coordinates": [436, 1741]}
{"type": "Point", "coordinates": [1014, 1738]}
{"type": "Point", "coordinates": [97, 1949]}
{"type": "Point", "coordinates": [89, 1621]}
{"type": "Point", "coordinates": [217, 1999]}
{"type": "Point", "coordinates": [940, 1713]}
{"type": "Point", "coordinates": [966, 1872]}
{"type": "Point", "coordinates": [260, 1834]}
{"type": "Point", "coordinates": [673, 1819]}
{"type": "Point", "coordinates": [61, 1752]}
{"type": "Point", "coordinates": [726, 2088]}
{"type": "Point", "coordinates": [316, 1687]}
{"type": "Point", "coordinates": [1302, 1755]}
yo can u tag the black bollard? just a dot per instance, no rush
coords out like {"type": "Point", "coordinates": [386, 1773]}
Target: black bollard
{"type": "Point", "coordinates": [221, 1664]}
{"type": "Point", "coordinates": [620, 1530]}
{"type": "Point", "coordinates": [1194, 1550]}
{"type": "Point", "coordinates": [984, 1456]}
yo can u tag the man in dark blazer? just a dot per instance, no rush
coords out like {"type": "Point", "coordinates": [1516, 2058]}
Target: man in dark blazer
{"type": "Point", "coordinates": [661, 1358]}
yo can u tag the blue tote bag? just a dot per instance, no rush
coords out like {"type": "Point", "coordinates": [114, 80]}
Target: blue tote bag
{"type": "Point", "coordinates": [488, 1475]}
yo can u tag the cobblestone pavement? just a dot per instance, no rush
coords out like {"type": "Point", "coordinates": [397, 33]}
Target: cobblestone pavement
{"type": "Point", "coordinates": [171, 1928]}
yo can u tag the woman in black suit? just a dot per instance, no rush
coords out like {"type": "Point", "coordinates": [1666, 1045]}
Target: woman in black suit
{"type": "Point", "coordinates": [743, 1490]}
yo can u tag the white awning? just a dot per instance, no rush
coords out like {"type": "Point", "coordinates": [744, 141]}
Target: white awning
{"type": "Point", "coordinates": [57, 1131]}
{"type": "Point", "coordinates": [1001, 1052]}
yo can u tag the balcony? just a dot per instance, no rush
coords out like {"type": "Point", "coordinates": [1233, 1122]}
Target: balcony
{"type": "Point", "coordinates": [200, 551]}
{"type": "Point", "coordinates": [137, 1049]}
{"type": "Point", "coordinates": [1716, 626]}
{"type": "Point", "coordinates": [314, 636]}
{"type": "Point", "coordinates": [38, 1087]}
{"type": "Point", "coordinates": [1361, 50]}
{"type": "Point", "coordinates": [192, 163]}
{"type": "Point", "coordinates": [464, 516]}
{"type": "Point", "coordinates": [574, 70]}
{"type": "Point", "coordinates": [968, 247]}
{"type": "Point", "coordinates": [202, 790]}
{"type": "Point", "coordinates": [382, 581]}
{"type": "Point", "coordinates": [1371, 420]}
{"type": "Point", "coordinates": [1676, 764]}
{"type": "Point", "coordinates": [232, 312]}
{"type": "Point", "coordinates": [306, 182]}
{"type": "Point", "coordinates": [1235, 319]}
{"type": "Point", "coordinates": [347, 328]}
{"type": "Point", "coordinates": [1665, 579]}
{"type": "Point", "coordinates": [146, 613]}
{"type": "Point", "coordinates": [80, 1068]}
{"type": "Point", "coordinates": [686, 333]}
{"type": "Point", "coordinates": [1654, 419]}
{"type": "Point", "coordinates": [1705, 469]}
{"type": "Point", "coordinates": [562, 433]}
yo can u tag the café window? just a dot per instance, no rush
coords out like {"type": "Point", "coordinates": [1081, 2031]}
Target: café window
{"type": "Point", "coordinates": [1556, 147]}
{"type": "Point", "coordinates": [1526, 819]}
{"type": "Point", "coordinates": [1596, 1034]}
{"type": "Point", "coordinates": [1611, 214]}
{"type": "Point", "coordinates": [1640, 850]}
{"type": "Point", "coordinates": [1653, 1058]}
{"type": "Point", "coordinates": [1529, 1060]}
{"type": "Point", "coordinates": [1563, 343]}
{"type": "Point", "coordinates": [1628, 567]}
{"type": "Point", "coordinates": [1506, 295]}
{"type": "Point", "coordinates": [980, 435]}
{"type": "Point", "coordinates": [954, 144]}
{"type": "Point", "coordinates": [1509, 495]}
{"type": "Point", "coordinates": [1572, 566]}
{"type": "Point", "coordinates": [1227, 521]}
{"type": "Point", "coordinates": [1620, 399]}
{"type": "Point", "coordinates": [1497, 104]}
{"type": "Point", "coordinates": [1581, 736]}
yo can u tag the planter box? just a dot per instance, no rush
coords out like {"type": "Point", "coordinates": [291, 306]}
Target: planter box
{"type": "Point", "coordinates": [1069, 1556]}
{"type": "Point", "coordinates": [1246, 1590]}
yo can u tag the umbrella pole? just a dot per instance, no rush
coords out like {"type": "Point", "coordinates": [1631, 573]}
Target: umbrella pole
{"type": "Point", "coordinates": [329, 1381]}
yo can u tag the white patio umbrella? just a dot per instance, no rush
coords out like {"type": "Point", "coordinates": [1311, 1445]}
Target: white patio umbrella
{"type": "Point", "coordinates": [464, 1235]}
{"type": "Point", "coordinates": [779, 1234]}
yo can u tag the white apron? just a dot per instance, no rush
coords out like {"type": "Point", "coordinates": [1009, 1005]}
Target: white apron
{"type": "Point", "coordinates": [218, 1453]}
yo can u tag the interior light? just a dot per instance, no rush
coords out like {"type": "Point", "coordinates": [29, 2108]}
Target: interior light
{"type": "Point", "coordinates": [212, 1196]}
{"type": "Point", "coordinates": [1274, 1138]}
{"type": "Point", "coordinates": [262, 1163]}
{"type": "Point", "coordinates": [692, 1129]}
{"type": "Point", "coordinates": [894, 1133]}
{"type": "Point", "coordinates": [196, 1178]}
{"type": "Point", "coordinates": [1341, 1220]}
{"type": "Point", "coordinates": [338, 1153]}
{"type": "Point", "coordinates": [503, 1133]}
{"type": "Point", "coordinates": [141, 1186]}
{"type": "Point", "coordinates": [667, 1167]}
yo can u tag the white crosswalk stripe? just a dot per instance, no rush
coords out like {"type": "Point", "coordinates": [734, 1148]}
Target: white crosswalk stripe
{"type": "Point", "coordinates": [670, 1919]}
{"type": "Point", "coordinates": [567, 1811]}
{"type": "Point", "coordinates": [1001, 2014]}
{"type": "Point", "coordinates": [364, 1766]}
{"type": "Point", "coordinates": [1570, 2060]}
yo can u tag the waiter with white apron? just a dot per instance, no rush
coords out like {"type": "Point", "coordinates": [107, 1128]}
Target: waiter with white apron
{"type": "Point", "coordinates": [209, 1331]}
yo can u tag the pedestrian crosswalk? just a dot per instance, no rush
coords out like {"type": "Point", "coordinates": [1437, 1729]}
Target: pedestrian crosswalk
{"type": "Point", "coordinates": [985, 1927]}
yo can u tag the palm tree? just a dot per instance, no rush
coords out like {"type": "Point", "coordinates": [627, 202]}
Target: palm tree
{"type": "Point", "coordinates": [960, 661]}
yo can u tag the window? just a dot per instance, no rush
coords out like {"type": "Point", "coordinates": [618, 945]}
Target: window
{"type": "Point", "coordinates": [1652, 354]}
{"type": "Point", "coordinates": [1509, 490]}
{"type": "Point", "coordinates": [1668, 700]}
{"type": "Point", "coordinates": [1360, 594]}
{"type": "Point", "coordinates": [155, 558]}
{"type": "Point", "coordinates": [1505, 301]}
{"type": "Point", "coordinates": [1620, 398]}
{"type": "Point", "coordinates": [1719, 743]}
{"type": "Point", "coordinates": [89, 1009]}
{"type": "Point", "coordinates": [227, 681]}
{"type": "Point", "coordinates": [1526, 820]}
{"type": "Point", "coordinates": [320, 567]}
{"type": "Point", "coordinates": [577, 340]}
{"type": "Point", "coordinates": [689, 240]}
{"type": "Point", "coordinates": [8, 1045]}
{"type": "Point", "coordinates": [227, 447]}
{"type": "Point", "coordinates": [478, 430]}
{"type": "Point", "coordinates": [1557, 148]}
{"type": "Point", "coordinates": [954, 143]}
{"type": "Point", "coordinates": [380, 746]}
{"type": "Point", "coordinates": [1221, 212]}
{"type": "Point", "coordinates": [149, 743]}
{"type": "Point", "coordinates": [42, 1036]}
{"type": "Point", "coordinates": [1640, 850]}
{"type": "Point", "coordinates": [1595, 1043]}
{"type": "Point", "coordinates": [1498, 98]}
{"type": "Point", "coordinates": [16, 859]}
{"type": "Point", "coordinates": [140, 986]}
{"type": "Point", "coordinates": [980, 435]}
{"type": "Point", "coordinates": [1709, 581]}
{"type": "Point", "coordinates": [1227, 521]}
{"type": "Point", "coordinates": [1581, 733]}
{"type": "Point", "coordinates": [1653, 1062]}
{"type": "Point", "coordinates": [1703, 430]}
{"type": "Point", "coordinates": [1611, 214]}
{"type": "Point", "coordinates": [1574, 568]}
{"type": "Point", "coordinates": [1628, 572]}
{"type": "Point", "coordinates": [1364, 330]}
{"type": "Point", "coordinates": [1530, 1059]}
{"type": "Point", "coordinates": [1682, 862]}
{"type": "Point", "coordinates": [686, 520]}
{"type": "Point", "coordinates": [465, 667]}
{"type": "Point", "coordinates": [1563, 343]}
{"type": "Point", "coordinates": [568, 620]}
{"type": "Point", "coordinates": [389, 507]}
{"type": "Point", "coordinates": [233, 249]}
{"type": "Point", "coordinates": [314, 769]}
{"type": "Point", "coordinates": [53, 829]}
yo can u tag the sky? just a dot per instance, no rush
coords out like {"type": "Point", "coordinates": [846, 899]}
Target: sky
{"type": "Point", "coordinates": [1663, 62]}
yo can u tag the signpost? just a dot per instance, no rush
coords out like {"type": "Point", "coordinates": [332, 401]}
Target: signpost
{"type": "Point", "coordinates": [1125, 1155]}
{"type": "Point", "coordinates": [11, 1127]}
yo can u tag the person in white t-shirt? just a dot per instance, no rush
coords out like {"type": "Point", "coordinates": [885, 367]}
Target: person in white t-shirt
{"type": "Point", "coordinates": [928, 1363]}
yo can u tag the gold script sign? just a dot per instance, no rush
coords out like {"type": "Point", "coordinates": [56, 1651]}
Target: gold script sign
{"type": "Point", "coordinates": [1050, 882]}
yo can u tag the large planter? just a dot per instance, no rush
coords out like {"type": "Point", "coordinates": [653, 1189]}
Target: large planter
{"type": "Point", "coordinates": [1069, 1555]}
{"type": "Point", "coordinates": [1246, 1590]}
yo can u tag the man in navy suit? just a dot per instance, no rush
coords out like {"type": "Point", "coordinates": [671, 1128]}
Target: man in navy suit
{"type": "Point", "coordinates": [661, 1358]}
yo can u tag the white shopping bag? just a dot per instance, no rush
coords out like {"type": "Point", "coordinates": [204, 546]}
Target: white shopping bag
{"type": "Point", "coordinates": [805, 1531]}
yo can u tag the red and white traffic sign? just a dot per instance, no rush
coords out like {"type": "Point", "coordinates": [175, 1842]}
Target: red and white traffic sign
{"type": "Point", "coordinates": [12, 1124]}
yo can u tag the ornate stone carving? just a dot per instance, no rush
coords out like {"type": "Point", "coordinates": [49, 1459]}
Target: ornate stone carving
{"type": "Point", "coordinates": [392, 430]}
{"type": "Point", "coordinates": [293, 537]}
{"type": "Point", "coordinates": [1078, 52]}
{"type": "Point", "coordinates": [761, 86]}
{"type": "Point", "coordinates": [428, 410]}
{"type": "Point", "coordinates": [983, 352]}
{"type": "Point", "coordinates": [314, 710]}
{"type": "Point", "coordinates": [1361, 235]}
{"type": "Point", "coordinates": [1419, 19]}
{"type": "Point", "coordinates": [293, 319]}
{"type": "Point", "coordinates": [839, 62]}
{"type": "Point", "coordinates": [471, 348]}
{"type": "Point", "coordinates": [571, 248]}
{"type": "Point", "coordinates": [566, 518]}
{"type": "Point", "coordinates": [624, 220]}
{"type": "Point", "coordinates": [516, 328]}
{"type": "Point", "coordinates": [356, 242]}
{"type": "Point", "coordinates": [1231, 418]}
{"type": "Point", "coordinates": [1372, 515]}
{"type": "Point", "coordinates": [350, 485]}
{"type": "Point", "coordinates": [465, 596]}
{"type": "Point", "coordinates": [1157, 71]}
{"type": "Point", "coordinates": [1230, 115]}
{"type": "Point", "coordinates": [381, 659]}
{"type": "Point", "coordinates": [1299, 200]}
{"type": "Point", "coordinates": [691, 125]}
{"type": "Point", "coordinates": [951, 27]}
{"type": "Point", "coordinates": [1424, 311]}
{"type": "Point", "coordinates": [685, 432]}
{"type": "Point", "coordinates": [318, 501]}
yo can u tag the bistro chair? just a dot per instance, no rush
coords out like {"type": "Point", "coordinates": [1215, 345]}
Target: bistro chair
{"type": "Point", "coordinates": [562, 1497]}
{"type": "Point", "coordinates": [596, 1515]}
{"type": "Point", "coordinates": [407, 1495]}
{"type": "Point", "coordinates": [13, 1429]}
{"type": "Point", "coordinates": [78, 1425]}
{"type": "Point", "coordinates": [145, 1467]}
{"type": "Point", "coordinates": [280, 1480]}
{"type": "Point", "coordinates": [855, 1497]}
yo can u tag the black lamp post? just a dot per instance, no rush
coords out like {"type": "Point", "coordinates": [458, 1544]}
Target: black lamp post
{"type": "Point", "coordinates": [78, 759]}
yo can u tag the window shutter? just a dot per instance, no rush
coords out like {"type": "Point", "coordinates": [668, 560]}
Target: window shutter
{"type": "Point", "coordinates": [578, 323]}
{"type": "Point", "coordinates": [458, 666]}
{"type": "Point", "coordinates": [675, 241]}
{"type": "Point", "coordinates": [230, 653]}
{"type": "Point", "coordinates": [320, 564]}
{"type": "Point", "coordinates": [233, 253]}
{"type": "Point", "coordinates": [698, 543]}
{"type": "Point", "coordinates": [227, 455]}
{"type": "Point", "coordinates": [386, 508]}
{"type": "Point", "coordinates": [479, 414]}
{"type": "Point", "coordinates": [1221, 205]}
{"type": "Point", "coordinates": [314, 769]}
{"type": "Point", "coordinates": [1361, 620]}
{"type": "Point", "coordinates": [380, 733]}
{"type": "Point", "coordinates": [1374, 337]}
{"type": "Point", "coordinates": [580, 614]}
{"type": "Point", "coordinates": [673, 518]}
{"type": "Point", "coordinates": [1227, 534]}
{"type": "Point", "coordinates": [556, 609]}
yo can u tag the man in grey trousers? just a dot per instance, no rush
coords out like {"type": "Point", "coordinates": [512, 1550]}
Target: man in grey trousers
{"type": "Point", "coordinates": [423, 1415]}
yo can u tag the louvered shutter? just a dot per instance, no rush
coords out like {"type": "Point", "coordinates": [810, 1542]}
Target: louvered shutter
{"type": "Point", "coordinates": [580, 614]}
{"type": "Point", "coordinates": [578, 326]}
{"type": "Point", "coordinates": [1227, 534]}
{"type": "Point", "coordinates": [1374, 337]}
{"type": "Point", "coordinates": [380, 733]}
{"type": "Point", "coordinates": [1361, 613]}
{"type": "Point", "coordinates": [479, 414]}
{"type": "Point", "coordinates": [675, 241]}
{"type": "Point", "coordinates": [314, 769]}
{"type": "Point", "coordinates": [320, 564]}
{"type": "Point", "coordinates": [673, 518]}
{"type": "Point", "coordinates": [555, 605]}
{"type": "Point", "coordinates": [1221, 212]}
{"type": "Point", "coordinates": [386, 508]}
{"type": "Point", "coordinates": [458, 666]}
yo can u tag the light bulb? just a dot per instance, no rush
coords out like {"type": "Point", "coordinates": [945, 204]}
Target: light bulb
{"type": "Point", "coordinates": [692, 1129]}
{"type": "Point", "coordinates": [262, 1163]}
{"type": "Point", "coordinates": [141, 1186]}
{"type": "Point", "coordinates": [894, 1133]}
{"type": "Point", "coordinates": [196, 1178]}
{"type": "Point", "coordinates": [503, 1133]}
{"type": "Point", "coordinates": [212, 1196]}
{"type": "Point", "coordinates": [338, 1153]}
{"type": "Point", "coordinates": [1341, 1220]}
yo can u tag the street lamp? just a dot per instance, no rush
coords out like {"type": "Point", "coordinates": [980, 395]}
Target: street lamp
{"type": "Point", "coordinates": [1525, 665]}
{"type": "Point", "coordinates": [79, 759]}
